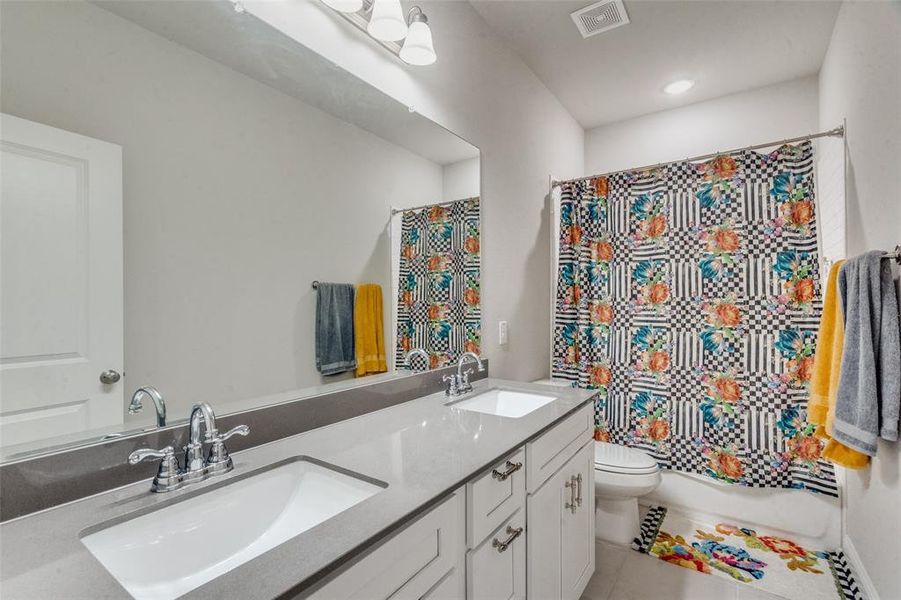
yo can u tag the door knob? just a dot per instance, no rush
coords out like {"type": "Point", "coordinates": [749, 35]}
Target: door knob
{"type": "Point", "coordinates": [110, 377]}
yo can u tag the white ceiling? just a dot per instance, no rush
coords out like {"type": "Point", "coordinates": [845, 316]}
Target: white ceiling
{"type": "Point", "coordinates": [250, 46]}
{"type": "Point", "coordinates": [726, 46]}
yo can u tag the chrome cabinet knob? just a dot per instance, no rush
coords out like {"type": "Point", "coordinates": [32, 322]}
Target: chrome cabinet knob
{"type": "Point", "coordinates": [110, 377]}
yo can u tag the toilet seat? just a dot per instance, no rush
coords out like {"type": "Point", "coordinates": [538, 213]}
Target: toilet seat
{"type": "Point", "coordinates": [613, 458]}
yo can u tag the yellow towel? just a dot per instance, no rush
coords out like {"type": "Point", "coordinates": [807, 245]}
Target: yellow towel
{"type": "Point", "coordinates": [824, 379]}
{"type": "Point", "coordinates": [369, 337]}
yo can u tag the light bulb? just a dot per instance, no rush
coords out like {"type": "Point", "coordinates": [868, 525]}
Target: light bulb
{"type": "Point", "coordinates": [387, 21]}
{"type": "Point", "coordinates": [679, 87]}
{"type": "Point", "coordinates": [345, 6]}
{"type": "Point", "coordinates": [418, 49]}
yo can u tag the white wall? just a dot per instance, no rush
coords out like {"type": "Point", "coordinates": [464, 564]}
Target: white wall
{"type": "Point", "coordinates": [757, 116]}
{"type": "Point", "coordinates": [861, 81]}
{"type": "Point", "coordinates": [461, 180]}
{"type": "Point", "coordinates": [483, 92]}
{"type": "Point", "coordinates": [231, 201]}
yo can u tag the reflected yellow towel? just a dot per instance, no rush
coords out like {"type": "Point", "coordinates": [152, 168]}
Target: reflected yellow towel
{"type": "Point", "coordinates": [369, 336]}
{"type": "Point", "coordinates": [824, 380]}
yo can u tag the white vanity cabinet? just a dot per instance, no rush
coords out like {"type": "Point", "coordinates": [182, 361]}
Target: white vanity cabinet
{"type": "Point", "coordinates": [560, 511]}
{"type": "Point", "coordinates": [523, 528]}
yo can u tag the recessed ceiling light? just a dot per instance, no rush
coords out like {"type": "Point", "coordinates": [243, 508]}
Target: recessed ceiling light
{"type": "Point", "coordinates": [679, 87]}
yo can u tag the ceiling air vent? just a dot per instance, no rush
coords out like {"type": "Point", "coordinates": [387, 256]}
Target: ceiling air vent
{"type": "Point", "coordinates": [600, 17]}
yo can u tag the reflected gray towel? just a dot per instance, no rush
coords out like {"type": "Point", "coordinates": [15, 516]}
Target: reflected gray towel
{"type": "Point", "coordinates": [869, 389]}
{"type": "Point", "coordinates": [335, 328]}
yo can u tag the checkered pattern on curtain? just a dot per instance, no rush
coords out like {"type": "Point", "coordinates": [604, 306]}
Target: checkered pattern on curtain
{"type": "Point", "coordinates": [689, 296]}
{"type": "Point", "coordinates": [438, 304]}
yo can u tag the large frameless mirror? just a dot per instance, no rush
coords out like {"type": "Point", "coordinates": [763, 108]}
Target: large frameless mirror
{"type": "Point", "coordinates": [196, 205]}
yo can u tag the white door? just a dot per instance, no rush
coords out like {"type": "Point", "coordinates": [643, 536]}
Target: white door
{"type": "Point", "coordinates": [61, 298]}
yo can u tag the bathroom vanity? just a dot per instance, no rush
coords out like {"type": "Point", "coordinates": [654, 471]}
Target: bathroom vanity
{"type": "Point", "coordinates": [431, 498]}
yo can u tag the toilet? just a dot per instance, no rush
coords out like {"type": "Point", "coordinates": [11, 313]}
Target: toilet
{"type": "Point", "coordinates": [621, 475]}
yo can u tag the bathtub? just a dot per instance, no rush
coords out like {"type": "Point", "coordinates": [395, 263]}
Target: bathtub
{"type": "Point", "coordinates": [812, 518]}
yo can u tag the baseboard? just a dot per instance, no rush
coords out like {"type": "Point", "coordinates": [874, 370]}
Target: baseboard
{"type": "Point", "coordinates": [860, 572]}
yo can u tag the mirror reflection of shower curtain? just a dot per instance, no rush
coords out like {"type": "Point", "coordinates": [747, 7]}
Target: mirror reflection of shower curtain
{"type": "Point", "coordinates": [438, 298]}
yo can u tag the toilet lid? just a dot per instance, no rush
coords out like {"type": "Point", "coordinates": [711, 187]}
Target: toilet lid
{"type": "Point", "coordinates": [620, 459]}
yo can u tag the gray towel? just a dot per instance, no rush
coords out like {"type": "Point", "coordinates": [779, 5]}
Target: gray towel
{"type": "Point", "coordinates": [335, 328]}
{"type": "Point", "coordinates": [869, 389]}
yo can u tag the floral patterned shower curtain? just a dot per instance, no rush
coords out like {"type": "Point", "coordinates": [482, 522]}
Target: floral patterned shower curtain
{"type": "Point", "coordinates": [689, 296]}
{"type": "Point", "coordinates": [438, 304]}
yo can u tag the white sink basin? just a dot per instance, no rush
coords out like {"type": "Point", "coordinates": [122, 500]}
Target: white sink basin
{"type": "Point", "coordinates": [171, 551]}
{"type": "Point", "coordinates": [505, 403]}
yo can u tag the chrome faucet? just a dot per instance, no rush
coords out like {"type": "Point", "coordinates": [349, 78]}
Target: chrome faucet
{"type": "Point", "coordinates": [196, 468]}
{"type": "Point", "coordinates": [408, 359]}
{"type": "Point", "coordinates": [459, 383]}
{"type": "Point", "coordinates": [195, 465]}
{"type": "Point", "coordinates": [137, 405]}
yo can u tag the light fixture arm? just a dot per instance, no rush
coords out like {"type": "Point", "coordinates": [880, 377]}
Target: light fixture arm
{"type": "Point", "coordinates": [416, 16]}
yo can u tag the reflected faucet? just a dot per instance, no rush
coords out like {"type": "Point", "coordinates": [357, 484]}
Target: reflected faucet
{"type": "Point", "coordinates": [408, 359]}
{"type": "Point", "coordinates": [137, 405]}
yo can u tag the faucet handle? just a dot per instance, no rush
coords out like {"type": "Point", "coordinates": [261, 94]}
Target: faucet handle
{"type": "Point", "coordinates": [464, 381]}
{"type": "Point", "coordinates": [239, 430]}
{"type": "Point", "coordinates": [167, 477]}
{"type": "Point", "coordinates": [218, 461]}
{"type": "Point", "coordinates": [453, 384]}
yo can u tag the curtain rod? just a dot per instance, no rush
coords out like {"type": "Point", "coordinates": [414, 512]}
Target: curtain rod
{"type": "Point", "coordinates": [837, 132]}
{"type": "Point", "coordinates": [394, 211]}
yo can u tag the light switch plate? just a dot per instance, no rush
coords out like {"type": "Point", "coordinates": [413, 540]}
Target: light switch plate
{"type": "Point", "coordinates": [502, 332]}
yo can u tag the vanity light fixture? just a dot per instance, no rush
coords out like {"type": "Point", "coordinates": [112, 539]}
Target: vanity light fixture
{"type": "Point", "coordinates": [679, 87]}
{"type": "Point", "coordinates": [410, 38]}
{"type": "Point", "coordinates": [387, 21]}
{"type": "Point", "coordinates": [418, 49]}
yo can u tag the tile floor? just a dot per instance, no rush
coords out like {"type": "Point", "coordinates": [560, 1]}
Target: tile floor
{"type": "Point", "coordinates": [624, 574]}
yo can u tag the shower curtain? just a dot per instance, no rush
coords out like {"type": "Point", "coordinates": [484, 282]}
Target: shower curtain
{"type": "Point", "coordinates": [689, 297]}
{"type": "Point", "coordinates": [438, 303]}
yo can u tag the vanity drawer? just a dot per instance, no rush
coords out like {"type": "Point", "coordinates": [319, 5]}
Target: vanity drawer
{"type": "Point", "coordinates": [499, 571]}
{"type": "Point", "coordinates": [550, 451]}
{"type": "Point", "coordinates": [494, 496]}
{"type": "Point", "coordinates": [409, 564]}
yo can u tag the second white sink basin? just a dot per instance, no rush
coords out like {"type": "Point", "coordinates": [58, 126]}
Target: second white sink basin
{"type": "Point", "coordinates": [169, 552]}
{"type": "Point", "coordinates": [505, 403]}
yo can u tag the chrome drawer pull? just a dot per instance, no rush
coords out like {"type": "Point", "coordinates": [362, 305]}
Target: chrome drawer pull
{"type": "Point", "coordinates": [579, 486]}
{"type": "Point", "coordinates": [513, 533]}
{"type": "Point", "coordinates": [571, 485]}
{"type": "Point", "coordinates": [512, 468]}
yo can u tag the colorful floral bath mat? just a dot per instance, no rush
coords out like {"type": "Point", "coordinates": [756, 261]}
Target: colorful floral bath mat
{"type": "Point", "coordinates": [771, 563]}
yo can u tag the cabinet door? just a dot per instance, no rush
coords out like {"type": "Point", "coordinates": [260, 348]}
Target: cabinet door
{"type": "Point", "coordinates": [407, 565]}
{"type": "Point", "coordinates": [561, 536]}
{"type": "Point", "coordinates": [577, 526]}
{"type": "Point", "coordinates": [451, 587]}
{"type": "Point", "coordinates": [496, 570]}
{"type": "Point", "coordinates": [544, 542]}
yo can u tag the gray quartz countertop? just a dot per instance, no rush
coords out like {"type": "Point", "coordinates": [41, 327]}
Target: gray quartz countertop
{"type": "Point", "coordinates": [422, 449]}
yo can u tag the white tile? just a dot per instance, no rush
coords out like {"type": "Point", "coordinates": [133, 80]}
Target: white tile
{"type": "Point", "coordinates": [644, 577]}
{"type": "Point", "coordinates": [609, 559]}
